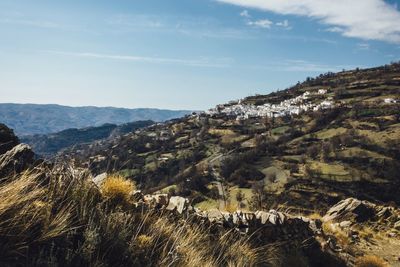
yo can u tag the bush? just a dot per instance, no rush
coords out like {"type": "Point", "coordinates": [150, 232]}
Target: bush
{"type": "Point", "coordinates": [244, 174]}
{"type": "Point", "coordinates": [117, 189]}
{"type": "Point", "coordinates": [371, 261]}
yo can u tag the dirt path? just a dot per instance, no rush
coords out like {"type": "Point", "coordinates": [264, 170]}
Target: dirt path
{"type": "Point", "coordinates": [219, 180]}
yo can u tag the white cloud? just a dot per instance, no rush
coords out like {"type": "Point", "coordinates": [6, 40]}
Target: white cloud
{"type": "Point", "coordinates": [365, 19]}
{"type": "Point", "coordinates": [245, 14]}
{"type": "Point", "coordinates": [363, 46]}
{"type": "Point", "coordinates": [262, 23]}
{"type": "Point", "coordinates": [284, 24]}
{"type": "Point", "coordinates": [202, 62]}
{"type": "Point", "coordinates": [335, 29]}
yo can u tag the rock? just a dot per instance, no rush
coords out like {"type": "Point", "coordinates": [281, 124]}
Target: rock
{"type": "Point", "coordinates": [385, 212]}
{"type": "Point", "coordinates": [392, 235]}
{"type": "Point", "coordinates": [315, 226]}
{"type": "Point", "coordinates": [272, 216]}
{"type": "Point", "coordinates": [397, 225]}
{"type": "Point", "coordinates": [177, 203]}
{"type": "Point", "coordinates": [350, 209]}
{"type": "Point", "coordinates": [262, 216]}
{"type": "Point", "coordinates": [214, 215]}
{"type": "Point", "coordinates": [99, 179]}
{"type": "Point", "coordinates": [158, 201]}
{"type": "Point", "coordinates": [7, 139]}
{"type": "Point", "coordinates": [16, 160]}
{"type": "Point", "coordinates": [276, 217]}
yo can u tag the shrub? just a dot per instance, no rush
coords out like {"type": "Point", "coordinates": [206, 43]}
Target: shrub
{"type": "Point", "coordinates": [371, 261]}
{"type": "Point", "coordinates": [117, 189]}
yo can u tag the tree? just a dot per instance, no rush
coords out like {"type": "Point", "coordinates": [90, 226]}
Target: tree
{"type": "Point", "coordinates": [259, 196]}
{"type": "Point", "coordinates": [326, 150]}
{"type": "Point", "coordinates": [240, 197]}
{"type": "Point", "coordinates": [313, 151]}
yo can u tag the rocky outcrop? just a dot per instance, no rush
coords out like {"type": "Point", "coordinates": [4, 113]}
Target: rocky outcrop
{"type": "Point", "coordinates": [16, 160]}
{"type": "Point", "coordinates": [276, 225]}
{"type": "Point", "coordinates": [351, 209]}
{"type": "Point", "coordinates": [7, 139]}
{"type": "Point", "coordinates": [354, 227]}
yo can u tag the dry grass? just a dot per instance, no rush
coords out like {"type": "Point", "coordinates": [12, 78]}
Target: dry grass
{"type": "Point", "coordinates": [371, 261]}
{"type": "Point", "coordinates": [117, 189]}
{"type": "Point", "coordinates": [315, 216]}
{"type": "Point", "coordinates": [231, 207]}
{"type": "Point", "coordinates": [58, 217]}
{"type": "Point", "coordinates": [334, 230]}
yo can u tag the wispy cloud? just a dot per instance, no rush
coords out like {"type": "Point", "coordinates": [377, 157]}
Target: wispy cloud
{"type": "Point", "coordinates": [137, 21]}
{"type": "Point", "coordinates": [299, 65]}
{"type": "Point", "coordinates": [284, 24]}
{"type": "Point", "coordinates": [363, 46]}
{"type": "Point", "coordinates": [262, 23]}
{"type": "Point", "coordinates": [369, 20]}
{"type": "Point", "coordinates": [334, 29]}
{"type": "Point", "coordinates": [200, 27]}
{"type": "Point", "coordinates": [201, 62]}
{"type": "Point", "coordinates": [30, 22]}
{"type": "Point", "coordinates": [245, 14]}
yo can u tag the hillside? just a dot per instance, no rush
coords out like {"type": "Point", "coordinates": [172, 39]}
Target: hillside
{"type": "Point", "coordinates": [331, 140]}
{"type": "Point", "coordinates": [30, 119]}
{"type": "Point", "coordinates": [331, 137]}
{"type": "Point", "coordinates": [306, 176]}
{"type": "Point", "coordinates": [50, 144]}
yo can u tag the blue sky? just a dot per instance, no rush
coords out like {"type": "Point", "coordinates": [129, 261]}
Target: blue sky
{"type": "Point", "coordinates": [183, 54]}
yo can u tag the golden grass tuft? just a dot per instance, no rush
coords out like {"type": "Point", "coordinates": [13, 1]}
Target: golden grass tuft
{"type": "Point", "coordinates": [117, 188]}
{"type": "Point", "coordinates": [341, 236]}
{"type": "Point", "coordinates": [230, 207]}
{"type": "Point", "coordinates": [371, 261]}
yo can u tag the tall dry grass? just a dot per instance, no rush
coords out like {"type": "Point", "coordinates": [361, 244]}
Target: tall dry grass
{"type": "Point", "coordinates": [58, 217]}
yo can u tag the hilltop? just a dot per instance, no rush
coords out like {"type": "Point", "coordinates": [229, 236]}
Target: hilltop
{"type": "Point", "coordinates": [30, 119]}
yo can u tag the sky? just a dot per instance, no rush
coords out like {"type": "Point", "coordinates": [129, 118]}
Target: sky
{"type": "Point", "coordinates": [183, 54]}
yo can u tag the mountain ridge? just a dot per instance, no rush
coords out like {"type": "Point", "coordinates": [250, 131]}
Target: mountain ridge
{"type": "Point", "coordinates": [29, 119]}
{"type": "Point", "coordinates": [47, 145]}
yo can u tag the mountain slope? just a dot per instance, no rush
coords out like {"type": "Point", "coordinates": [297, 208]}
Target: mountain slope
{"type": "Point", "coordinates": [50, 144]}
{"type": "Point", "coordinates": [29, 119]}
{"type": "Point", "coordinates": [304, 148]}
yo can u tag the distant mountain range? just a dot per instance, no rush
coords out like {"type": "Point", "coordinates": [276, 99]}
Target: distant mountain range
{"type": "Point", "coordinates": [30, 119]}
{"type": "Point", "coordinates": [49, 144]}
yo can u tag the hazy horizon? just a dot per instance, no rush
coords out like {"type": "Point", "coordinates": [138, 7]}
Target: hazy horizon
{"type": "Point", "coordinates": [86, 106]}
{"type": "Point", "coordinates": [180, 54]}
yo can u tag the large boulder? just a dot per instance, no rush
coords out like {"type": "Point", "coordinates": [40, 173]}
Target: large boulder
{"type": "Point", "coordinates": [16, 160]}
{"type": "Point", "coordinates": [352, 210]}
{"type": "Point", "coordinates": [179, 204]}
{"type": "Point", "coordinates": [7, 139]}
